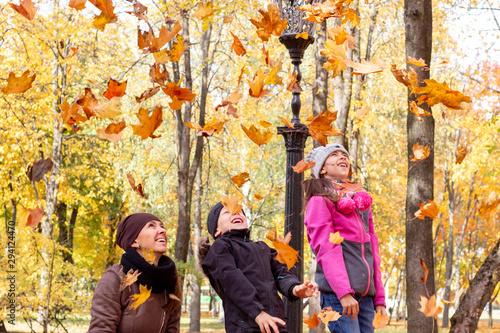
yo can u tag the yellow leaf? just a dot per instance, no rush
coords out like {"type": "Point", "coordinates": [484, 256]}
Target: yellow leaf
{"type": "Point", "coordinates": [204, 10]}
{"type": "Point", "coordinates": [335, 238]}
{"type": "Point", "coordinates": [109, 109]}
{"type": "Point", "coordinates": [148, 255]}
{"type": "Point", "coordinates": [140, 298]}
{"type": "Point", "coordinates": [380, 321]}
{"type": "Point", "coordinates": [241, 179]}
{"type": "Point", "coordinates": [312, 322]}
{"type": "Point", "coordinates": [287, 122]}
{"type": "Point", "coordinates": [18, 85]}
{"type": "Point", "coordinates": [260, 138]}
{"type": "Point", "coordinates": [257, 84]}
{"type": "Point", "coordinates": [434, 93]}
{"type": "Point", "coordinates": [420, 62]}
{"type": "Point", "coordinates": [418, 111]}
{"type": "Point", "coordinates": [264, 123]}
{"type": "Point", "coordinates": [365, 67]}
{"type": "Point", "coordinates": [327, 315]}
{"type": "Point", "coordinates": [428, 210]}
{"type": "Point", "coordinates": [304, 35]}
{"type": "Point", "coordinates": [320, 127]}
{"type": "Point", "coordinates": [419, 152]}
{"type": "Point", "coordinates": [231, 204]}
{"type": "Point", "coordinates": [270, 23]}
{"type": "Point", "coordinates": [428, 306]}
{"type": "Point", "coordinates": [460, 155]}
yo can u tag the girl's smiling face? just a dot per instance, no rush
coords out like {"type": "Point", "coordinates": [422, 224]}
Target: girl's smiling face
{"type": "Point", "coordinates": [336, 166]}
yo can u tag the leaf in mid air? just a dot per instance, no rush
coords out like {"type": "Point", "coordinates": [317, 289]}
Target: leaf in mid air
{"type": "Point", "coordinates": [270, 23]}
{"type": "Point", "coordinates": [101, 133]}
{"type": "Point", "coordinates": [148, 43]}
{"type": "Point", "coordinates": [287, 122]}
{"type": "Point", "coordinates": [148, 124]}
{"type": "Point", "coordinates": [260, 138]}
{"type": "Point", "coordinates": [72, 115]}
{"type": "Point", "coordinates": [327, 315]}
{"type": "Point", "coordinates": [26, 8]}
{"type": "Point", "coordinates": [302, 166]}
{"type": "Point", "coordinates": [18, 85]}
{"type": "Point", "coordinates": [335, 238]}
{"type": "Point", "coordinates": [115, 128]}
{"type": "Point", "coordinates": [426, 271]}
{"type": "Point", "coordinates": [418, 111]}
{"type": "Point", "coordinates": [231, 204]}
{"type": "Point", "coordinates": [213, 127]}
{"type": "Point", "coordinates": [178, 95]}
{"type": "Point", "coordinates": [365, 67]}
{"type": "Point", "coordinates": [31, 217]}
{"type": "Point", "coordinates": [408, 78]}
{"type": "Point", "coordinates": [204, 10]}
{"type": "Point", "coordinates": [77, 4]}
{"type": "Point", "coordinates": [140, 298]}
{"type": "Point", "coordinates": [237, 47]}
{"type": "Point", "coordinates": [257, 84]}
{"type": "Point", "coordinates": [320, 127]}
{"type": "Point", "coordinates": [139, 189]}
{"type": "Point", "coordinates": [88, 102]}
{"type": "Point", "coordinates": [109, 109]}
{"type": "Point", "coordinates": [39, 168]}
{"type": "Point", "coordinates": [360, 113]}
{"type": "Point", "coordinates": [318, 12]}
{"type": "Point", "coordinates": [419, 152]}
{"type": "Point", "coordinates": [434, 93]}
{"type": "Point", "coordinates": [272, 77]}
{"type": "Point", "coordinates": [380, 321]}
{"type": "Point", "coordinates": [241, 179]}
{"type": "Point", "coordinates": [157, 75]}
{"type": "Point", "coordinates": [460, 155]}
{"type": "Point", "coordinates": [127, 280]}
{"type": "Point", "coordinates": [258, 196]}
{"type": "Point", "coordinates": [429, 307]}
{"type": "Point", "coordinates": [147, 94]}
{"type": "Point", "coordinates": [350, 186]}
{"type": "Point", "coordinates": [312, 322]}
{"type": "Point", "coordinates": [286, 254]}
{"type": "Point", "coordinates": [420, 62]}
{"type": "Point", "coordinates": [428, 210]}
{"type": "Point", "coordinates": [337, 57]}
{"type": "Point", "coordinates": [115, 89]}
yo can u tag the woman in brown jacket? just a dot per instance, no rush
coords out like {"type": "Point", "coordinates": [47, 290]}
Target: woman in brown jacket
{"type": "Point", "coordinates": [138, 234]}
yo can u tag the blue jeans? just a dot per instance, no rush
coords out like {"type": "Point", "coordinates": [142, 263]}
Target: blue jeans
{"type": "Point", "coordinates": [363, 322]}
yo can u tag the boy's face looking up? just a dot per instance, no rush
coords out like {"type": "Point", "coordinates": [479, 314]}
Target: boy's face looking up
{"type": "Point", "coordinates": [227, 222]}
{"type": "Point", "coordinates": [336, 166]}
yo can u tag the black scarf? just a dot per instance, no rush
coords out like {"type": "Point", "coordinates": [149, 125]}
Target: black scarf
{"type": "Point", "coordinates": [160, 278]}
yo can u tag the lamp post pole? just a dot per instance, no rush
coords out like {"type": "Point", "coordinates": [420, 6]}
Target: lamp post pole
{"type": "Point", "coordinates": [295, 141]}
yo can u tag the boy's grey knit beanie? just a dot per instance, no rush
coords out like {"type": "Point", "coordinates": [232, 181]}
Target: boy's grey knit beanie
{"type": "Point", "coordinates": [320, 154]}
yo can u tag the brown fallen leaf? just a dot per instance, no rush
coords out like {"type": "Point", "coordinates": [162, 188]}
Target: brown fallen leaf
{"type": "Point", "coordinates": [39, 168]}
{"type": "Point", "coordinates": [139, 189]}
{"type": "Point", "coordinates": [129, 279]}
{"type": "Point", "coordinates": [147, 94]}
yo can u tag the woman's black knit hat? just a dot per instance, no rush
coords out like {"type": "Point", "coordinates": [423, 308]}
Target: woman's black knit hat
{"type": "Point", "coordinates": [213, 218]}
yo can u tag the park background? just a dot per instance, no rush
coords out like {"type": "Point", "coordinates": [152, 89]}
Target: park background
{"type": "Point", "coordinates": [181, 174]}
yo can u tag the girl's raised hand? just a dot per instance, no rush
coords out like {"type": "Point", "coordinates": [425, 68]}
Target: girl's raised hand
{"type": "Point", "coordinates": [305, 290]}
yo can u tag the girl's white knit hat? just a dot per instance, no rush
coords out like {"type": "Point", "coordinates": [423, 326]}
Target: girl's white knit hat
{"type": "Point", "coordinates": [320, 154]}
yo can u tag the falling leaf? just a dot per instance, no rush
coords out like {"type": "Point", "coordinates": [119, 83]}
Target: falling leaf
{"type": "Point", "coordinates": [260, 138]}
{"type": "Point", "coordinates": [204, 10]}
{"type": "Point", "coordinates": [228, 19]}
{"type": "Point", "coordinates": [461, 153]}
{"type": "Point", "coordinates": [232, 100]}
{"type": "Point", "coordinates": [150, 44]}
{"type": "Point", "coordinates": [256, 85]}
{"type": "Point", "coordinates": [434, 93]}
{"type": "Point", "coordinates": [428, 210]}
{"type": "Point", "coordinates": [237, 47]}
{"type": "Point", "coordinates": [213, 127]}
{"type": "Point", "coordinates": [101, 133]}
{"type": "Point", "coordinates": [312, 322]}
{"type": "Point", "coordinates": [264, 123]}
{"type": "Point", "coordinates": [418, 111]}
{"type": "Point", "coordinates": [304, 35]}
{"type": "Point", "coordinates": [349, 186]}
{"type": "Point", "coordinates": [360, 113]}
{"type": "Point", "coordinates": [302, 166]}
{"type": "Point", "coordinates": [39, 168]}
{"type": "Point", "coordinates": [380, 321]}
{"type": "Point", "coordinates": [272, 77]}
{"type": "Point", "coordinates": [286, 254]}
{"type": "Point", "coordinates": [337, 57]}
{"type": "Point", "coordinates": [103, 19]}
{"type": "Point", "coordinates": [270, 23]}
{"type": "Point", "coordinates": [174, 55]}
{"type": "Point", "coordinates": [266, 54]}
{"type": "Point", "coordinates": [365, 67]}
{"type": "Point", "coordinates": [318, 12]}
{"type": "Point", "coordinates": [335, 238]}
{"type": "Point", "coordinates": [77, 4]}
{"type": "Point", "coordinates": [147, 94]}
{"type": "Point", "coordinates": [178, 95]}
{"type": "Point", "coordinates": [18, 85]}
{"type": "Point", "coordinates": [258, 196]}
{"type": "Point", "coordinates": [129, 279]}
{"type": "Point", "coordinates": [108, 109]}
{"type": "Point", "coordinates": [148, 255]}
{"type": "Point", "coordinates": [139, 11]}
{"type": "Point", "coordinates": [148, 124]}
{"type": "Point", "coordinates": [193, 125]}
{"type": "Point", "coordinates": [157, 75]}
{"type": "Point", "coordinates": [292, 83]}
{"type": "Point", "coordinates": [31, 217]}
{"type": "Point", "coordinates": [408, 78]}
{"type": "Point", "coordinates": [72, 115]}
{"type": "Point", "coordinates": [140, 298]}
{"type": "Point", "coordinates": [320, 128]}
{"type": "Point", "coordinates": [327, 315]}
{"type": "Point", "coordinates": [286, 122]}
{"type": "Point", "coordinates": [340, 36]}
{"type": "Point", "coordinates": [428, 306]}
{"type": "Point", "coordinates": [115, 89]}
{"type": "Point", "coordinates": [419, 152]}
{"type": "Point", "coordinates": [26, 8]}
{"type": "Point", "coordinates": [115, 128]}
{"type": "Point", "coordinates": [88, 102]}
{"type": "Point", "coordinates": [242, 71]}
{"type": "Point", "coordinates": [426, 271]}
{"type": "Point", "coordinates": [231, 204]}
{"type": "Point", "coordinates": [420, 62]}
{"type": "Point", "coordinates": [139, 189]}
{"type": "Point", "coordinates": [241, 179]}
{"type": "Point", "coordinates": [489, 205]}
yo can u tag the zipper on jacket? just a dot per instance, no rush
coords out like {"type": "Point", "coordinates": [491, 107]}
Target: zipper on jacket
{"type": "Point", "coordinates": [271, 298]}
{"type": "Point", "coordinates": [363, 253]}
{"type": "Point", "coordinates": [163, 316]}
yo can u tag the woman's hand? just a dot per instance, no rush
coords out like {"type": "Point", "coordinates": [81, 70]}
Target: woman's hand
{"type": "Point", "coordinates": [267, 322]}
{"type": "Point", "coordinates": [305, 290]}
{"type": "Point", "coordinates": [350, 305]}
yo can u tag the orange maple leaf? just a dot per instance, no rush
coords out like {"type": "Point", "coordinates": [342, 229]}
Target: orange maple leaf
{"type": "Point", "coordinates": [256, 85]}
{"type": "Point", "coordinates": [88, 102]}
{"type": "Point", "coordinates": [286, 254]}
{"type": "Point", "coordinates": [258, 196]}
{"type": "Point", "coordinates": [127, 280]}
{"type": "Point", "coordinates": [287, 122]}
{"type": "Point", "coordinates": [115, 89]}
{"type": "Point", "coordinates": [213, 127]}
{"type": "Point", "coordinates": [237, 47]}
{"type": "Point", "coordinates": [272, 77]}
{"type": "Point", "coordinates": [31, 217]}
{"type": "Point", "coordinates": [292, 83]}
{"type": "Point", "coordinates": [232, 100]}
{"type": "Point", "coordinates": [426, 271]}
{"type": "Point", "coordinates": [149, 43]}
{"type": "Point", "coordinates": [231, 204]}
{"type": "Point", "coordinates": [18, 85]}
{"type": "Point", "coordinates": [140, 298]}
{"type": "Point", "coordinates": [420, 62]}
{"type": "Point", "coordinates": [302, 166]}
{"type": "Point", "coordinates": [349, 186]}
{"type": "Point", "coordinates": [337, 56]}
{"type": "Point", "coordinates": [335, 238]}
{"type": "Point", "coordinates": [419, 152]}
{"type": "Point", "coordinates": [260, 138]}
{"type": "Point", "coordinates": [327, 315]}
{"type": "Point", "coordinates": [157, 75]}
{"type": "Point", "coordinates": [418, 111]}
{"type": "Point", "coordinates": [77, 4]}
{"type": "Point", "coordinates": [365, 67]}
{"type": "Point", "coordinates": [204, 10]}
{"type": "Point", "coordinates": [380, 321]}
{"type": "Point", "coordinates": [139, 11]}
{"type": "Point", "coordinates": [428, 210]}
{"type": "Point", "coordinates": [340, 36]}
{"type": "Point", "coordinates": [270, 23]}
{"type": "Point", "coordinates": [115, 128]}
{"type": "Point", "coordinates": [26, 8]}
{"type": "Point", "coordinates": [241, 179]}
{"type": "Point", "coordinates": [193, 125]}
{"type": "Point", "coordinates": [108, 109]}
{"type": "Point", "coordinates": [318, 12]}
{"type": "Point", "coordinates": [72, 115]}
{"type": "Point", "coordinates": [320, 127]}
{"type": "Point", "coordinates": [101, 133]}
{"type": "Point", "coordinates": [264, 123]}
{"type": "Point", "coordinates": [428, 306]}
{"type": "Point", "coordinates": [312, 322]}
{"type": "Point", "coordinates": [139, 189]}
{"type": "Point", "coordinates": [147, 94]}
{"type": "Point", "coordinates": [460, 155]}
{"type": "Point", "coordinates": [178, 95]}
{"type": "Point", "coordinates": [148, 124]}
{"type": "Point", "coordinates": [408, 78]}
{"type": "Point", "coordinates": [434, 93]}
{"type": "Point", "coordinates": [173, 55]}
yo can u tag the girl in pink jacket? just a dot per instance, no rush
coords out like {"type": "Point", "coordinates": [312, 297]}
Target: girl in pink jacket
{"type": "Point", "coordinates": [348, 274]}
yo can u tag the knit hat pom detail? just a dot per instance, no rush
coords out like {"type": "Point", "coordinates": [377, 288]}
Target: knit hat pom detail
{"type": "Point", "coordinates": [346, 205]}
{"type": "Point", "coordinates": [363, 200]}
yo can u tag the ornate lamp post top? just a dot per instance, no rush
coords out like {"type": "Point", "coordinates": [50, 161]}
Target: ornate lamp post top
{"type": "Point", "coordinates": [295, 17]}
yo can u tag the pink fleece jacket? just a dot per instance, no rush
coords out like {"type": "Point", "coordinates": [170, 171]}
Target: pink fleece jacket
{"type": "Point", "coordinates": [356, 260]}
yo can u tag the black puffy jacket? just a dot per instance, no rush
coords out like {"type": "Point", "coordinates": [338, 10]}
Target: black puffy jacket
{"type": "Point", "coordinates": [247, 278]}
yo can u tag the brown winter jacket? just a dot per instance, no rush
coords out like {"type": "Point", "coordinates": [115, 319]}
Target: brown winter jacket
{"type": "Point", "coordinates": [110, 310]}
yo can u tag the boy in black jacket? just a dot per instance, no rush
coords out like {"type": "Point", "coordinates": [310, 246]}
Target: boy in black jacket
{"type": "Point", "coordinates": [246, 276]}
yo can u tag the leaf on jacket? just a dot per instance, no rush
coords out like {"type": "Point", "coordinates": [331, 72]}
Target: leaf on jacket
{"type": "Point", "coordinates": [241, 179]}
{"type": "Point", "coordinates": [260, 138]}
{"type": "Point", "coordinates": [18, 85]}
{"type": "Point", "coordinates": [428, 210]}
{"type": "Point", "coordinates": [419, 152]}
{"type": "Point", "coordinates": [31, 217]}
{"type": "Point", "coordinates": [115, 89]}
{"type": "Point", "coordinates": [231, 204]}
{"type": "Point", "coordinates": [380, 321]}
{"type": "Point", "coordinates": [349, 186]}
{"type": "Point", "coordinates": [38, 169]}
{"type": "Point", "coordinates": [286, 254]}
{"type": "Point", "coordinates": [140, 298]}
{"type": "Point", "coordinates": [429, 307]}
{"type": "Point", "coordinates": [327, 315]}
{"type": "Point", "coordinates": [426, 271]}
{"type": "Point", "coordinates": [335, 238]}
{"type": "Point", "coordinates": [148, 124]}
{"type": "Point", "coordinates": [127, 280]}
{"type": "Point", "coordinates": [312, 322]}
{"type": "Point", "coordinates": [302, 166]}
{"type": "Point", "coordinates": [139, 189]}
{"type": "Point", "coordinates": [321, 126]}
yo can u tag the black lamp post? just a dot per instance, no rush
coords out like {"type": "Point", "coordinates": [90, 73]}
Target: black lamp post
{"type": "Point", "coordinates": [295, 141]}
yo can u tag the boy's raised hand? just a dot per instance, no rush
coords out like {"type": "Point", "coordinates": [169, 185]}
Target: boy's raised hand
{"type": "Point", "coordinates": [267, 322]}
{"type": "Point", "coordinates": [305, 290]}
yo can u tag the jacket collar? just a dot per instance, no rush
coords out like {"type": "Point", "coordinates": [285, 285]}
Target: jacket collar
{"type": "Point", "coordinates": [244, 234]}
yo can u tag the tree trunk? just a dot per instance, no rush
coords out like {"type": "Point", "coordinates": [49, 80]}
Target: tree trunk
{"type": "Point", "coordinates": [71, 229]}
{"type": "Point", "coordinates": [320, 86]}
{"type": "Point", "coordinates": [450, 248]}
{"type": "Point", "coordinates": [112, 224]}
{"type": "Point", "coordinates": [479, 293]}
{"type": "Point", "coordinates": [420, 185]}
{"type": "Point", "coordinates": [314, 303]}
